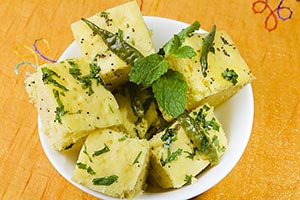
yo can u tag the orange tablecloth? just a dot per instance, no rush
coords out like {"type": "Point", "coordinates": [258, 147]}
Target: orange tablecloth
{"type": "Point", "coordinates": [270, 166]}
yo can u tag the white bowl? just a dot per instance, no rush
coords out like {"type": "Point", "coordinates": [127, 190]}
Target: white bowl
{"type": "Point", "coordinates": [236, 116]}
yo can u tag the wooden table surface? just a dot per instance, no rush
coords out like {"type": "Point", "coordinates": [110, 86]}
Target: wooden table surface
{"type": "Point", "coordinates": [268, 40]}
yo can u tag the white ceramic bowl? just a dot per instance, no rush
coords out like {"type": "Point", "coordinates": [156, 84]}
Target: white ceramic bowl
{"type": "Point", "coordinates": [236, 116]}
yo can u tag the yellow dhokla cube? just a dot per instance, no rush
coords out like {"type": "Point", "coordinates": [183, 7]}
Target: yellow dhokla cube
{"type": "Point", "coordinates": [112, 163]}
{"type": "Point", "coordinates": [227, 71]}
{"type": "Point", "coordinates": [175, 160]}
{"type": "Point", "coordinates": [126, 20]}
{"type": "Point", "coordinates": [71, 102]}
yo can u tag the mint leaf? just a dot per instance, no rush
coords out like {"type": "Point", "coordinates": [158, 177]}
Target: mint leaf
{"type": "Point", "coordinates": [185, 52]}
{"type": "Point", "coordinates": [172, 45]}
{"type": "Point", "coordinates": [177, 40]}
{"type": "Point", "coordinates": [170, 93]}
{"type": "Point", "coordinates": [190, 29]}
{"type": "Point", "coordinates": [147, 70]}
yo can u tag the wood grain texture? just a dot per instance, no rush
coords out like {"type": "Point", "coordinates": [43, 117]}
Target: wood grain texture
{"type": "Point", "coordinates": [269, 168]}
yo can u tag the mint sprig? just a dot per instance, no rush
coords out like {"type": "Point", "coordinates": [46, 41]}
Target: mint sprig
{"type": "Point", "coordinates": [169, 87]}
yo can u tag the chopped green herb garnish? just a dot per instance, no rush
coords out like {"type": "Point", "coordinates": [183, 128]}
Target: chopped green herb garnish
{"type": "Point", "coordinates": [188, 178]}
{"type": "Point", "coordinates": [207, 125]}
{"type": "Point", "coordinates": [230, 75]}
{"type": "Point", "coordinates": [86, 153]}
{"type": "Point", "coordinates": [170, 157]}
{"type": "Point", "coordinates": [110, 108]}
{"type": "Point", "coordinates": [212, 124]}
{"type": "Point", "coordinates": [123, 138]}
{"type": "Point", "coordinates": [207, 46]}
{"type": "Point", "coordinates": [101, 151]}
{"type": "Point", "coordinates": [136, 160]}
{"type": "Point", "coordinates": [107, 180]}
{"type": "Point", "coordinates": [60, 109]}
{"type": "Point", "coordinates": [216, 142]}
{"type": "Point", "coordinates": [81, 165]}
{"type": "Point", "coordinates": [85, 167]}
{"type": "Point", "coordinates": [90, 171]}
{"type": "Point", "coordinates": [86, 80]}
{"type": "Point", "coordinates": [191, 155]}
{"type": "Point", "coordinates": [168, 137]}
{"type": "Point", "coordinates": [47, 78]}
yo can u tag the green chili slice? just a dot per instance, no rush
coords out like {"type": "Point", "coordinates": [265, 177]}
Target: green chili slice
{"type": "Point", "coordinates": [199, 138]}
{"type": "Point", "coordinates": [116, 44]}
{"type": "Point", "coordinates": [206, 48]}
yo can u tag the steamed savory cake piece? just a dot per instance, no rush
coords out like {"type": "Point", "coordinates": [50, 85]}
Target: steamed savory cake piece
{"type": "Point", "coordinates": [226, 74]}
{"type": "Point", "coordinates": [71, 101]}
{"type": "Point", "coordinates": [125, 20]}
{"type": "Point", "coordinates": [176, 159]}
{"type": "Point", "coordinates": [112, 163]}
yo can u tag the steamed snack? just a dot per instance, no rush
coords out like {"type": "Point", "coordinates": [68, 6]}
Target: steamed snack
{"type": "Point", "coordinates": [227, 72]}
{"type": "Point", "coordinates": [140, 115]}
{"type": "Point", "coordinates": [112, 163]}
{"type": "Point", "coordinates": [71, 101]}
{"type": "Point", "coordinates": [175, 160]}
{"type": "Point", "coordinates": [125, 20]}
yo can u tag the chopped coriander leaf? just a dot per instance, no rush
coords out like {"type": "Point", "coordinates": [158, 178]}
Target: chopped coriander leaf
{"type": "Point", "coordinates": [171, 156]}
{"type": "Point", "coordinates": [136, 160]}
{"type": "Point", "coordinates": [169, 137]}
{"type": "Point", "coordinates": [191, 155]}
{"type": "Point", "coordinates": [47, 78]}
{"type": "Point", "coordinates": [230, 75]}
{"type": "Point", "coordinates": [170, 93]}
{"type": "Point", "coordinates": [86, 80]}
{"type": "Point", "coordinates": [206, 48]}
{"type": "Point", "coordinates": [95, 71]}
{"type": "Point", "coordinates": [123, 138]}
{"type": "Point", "coordinates": [207, 125]}
{"type": "Point", "coordinates": [60, 109]}
{"type": "Point", "coordinates": [90, 171]}
{"type": "Point", "coordinates": [81, 165]}
{"type": "Point", "coordinates": [101, 151]}
{"type": "Point", "coordinates": [188, 178]}
{"type": "Point", "coordinates": [212, 124]}
{"type": "Point", "coordinates": [86, 153]}
{"type": "Point", "coordinates": [107, 180]}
